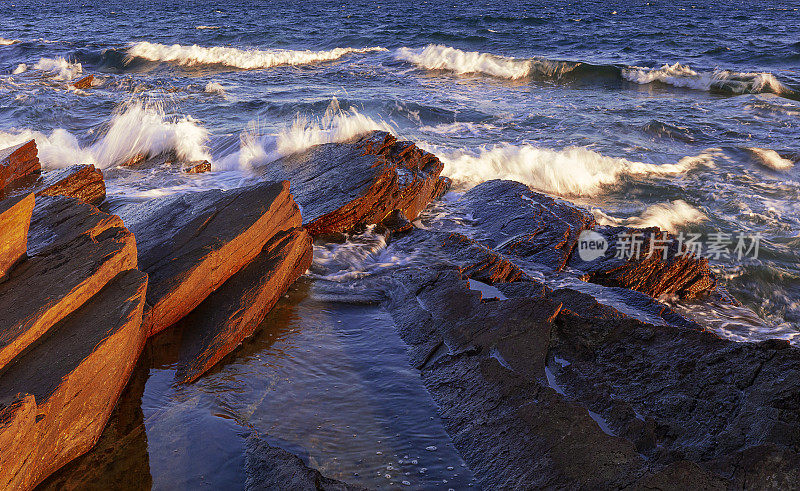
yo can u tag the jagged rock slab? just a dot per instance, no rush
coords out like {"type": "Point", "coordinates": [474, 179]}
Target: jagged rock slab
{"type": "Point", "coordinates": [359, 181]}
{"type": "Point", "coordinates": [82, 182]}
{"type": "Point", "coordinates": [272, 468]}
{"type": "Point", "coordinates": [234, 311]}
{"type": "Point", "coordinates": [651, 271]}
{"type": "Point", "coordinates": [520, 223]}
{"type": "Point", "coordinates": [15, 218]}
{"type": "Point", "coordinates": [197, 167]}
{"type": "Point", "coordinates": [549, 388]}
{"type": "Point", "coordinates": [515, 220]}
{"type": "Point", "coordinates": [84, 83]}
{"type": "Point", "coordinates": [18, 163]}
{"type": "Point", "coordinates": [74, 250]}
{"type": "Point", "coordinates": [190, 244]}
{"type": "Point", "coordinates": [59, 393]}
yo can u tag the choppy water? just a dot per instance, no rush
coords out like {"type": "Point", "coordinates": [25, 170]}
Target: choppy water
{"type": "Point", "coordinates": [679, 114]}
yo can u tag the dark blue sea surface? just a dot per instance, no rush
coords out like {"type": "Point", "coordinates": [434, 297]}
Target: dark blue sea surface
{"type": "Point", "coordinates": [683, 115]}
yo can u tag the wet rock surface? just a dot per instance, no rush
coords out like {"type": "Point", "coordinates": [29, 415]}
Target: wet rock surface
{"type": "Point", "coordinates": [15, 219]}
{"type": "Point", "coordinates": [232, 312]}
{"type": "Point", "coordinates": [83, 182]}
{"type": "Point", "coordinates": [18, 165]}
{"type": "Point", "coordinates": [59, 393]}
{"type": "Point", "coordinates": [359, 182]}
{"type": "Point", "coordinates": [271, 468]}
{"type": "Point", "coordinates": [192, 243]}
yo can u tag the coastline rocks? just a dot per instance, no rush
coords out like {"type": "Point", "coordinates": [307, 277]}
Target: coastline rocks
{"type": "Point", "coordinates": [18, 164]}
{"type": "Point", "coordinates": [197, 168]}
{"type": "Point", "coordinates": [82, 182]}
{"type": "Point", "coordinates": [74, 250]}
{"type": "Point", "coordinates": [84, 83]}
{"type": "Point", "coordinates": [235, 310]}
{"type": "Point", "coordinates": [190, 244]}
{"type": "Point", "coordinates": [56, 396]}
{"type": "Point", "coordinates": [15, 218]}
{"type": "Point", "coordinates": [272, 468]}
{"type": "Point", "coordinates": [359, 181]}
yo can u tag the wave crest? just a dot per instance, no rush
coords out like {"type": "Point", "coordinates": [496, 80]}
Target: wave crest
{"type": "Point", "coordinates": [233, 57]}
{"type": "Point", "coordinates": [666, 216]}
{"type": "Point", "coordinates": [62, 69]}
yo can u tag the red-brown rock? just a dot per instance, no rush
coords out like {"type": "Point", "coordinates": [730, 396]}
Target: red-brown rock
{"type": "Point", "coordinates": [18, 163]}
{"type": "Point", "coordinates": [232, 313]}
{"type": "Point", "coordinates": [74, 250]}
{"type": "Point", "coordinates": [83, 182]}
{"type": "Point", "coordinates": [192, 243]}
{"type": "Point", "coordinates": [84, 83]}
{"type": "Point", "coordinates": [15, 218]}
{"type": "Point", "coordinates": [359, 181]}
{"type": "Point", "coordinates": [197, 167]}
{"type": "Point", "coordinates": [56, 397]}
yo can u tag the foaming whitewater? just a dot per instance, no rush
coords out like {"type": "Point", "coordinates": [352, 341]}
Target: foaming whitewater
{"type": "Point", "coordinates": [717, 80]}
{"type": "Point", "coordinates": [234, 57]}
{"type": "Point", "coordinates": [137, 129]}
{"type": "Point", "coordinates": [336, 125]}
{"type": "Point", "coordinates": [214, 88]}
{"type": "Point", "coordinates": [60, 67]}
{"type": "Point", "coordinates": [667, 216]}
{"type": "Point", "coordinates": [573, 171]}
{"type": "Point", "coordinates": [439, 57]}
{"type": "Point", "coordinates": [770, 158]}
{"type": "Point", "coordinates": [8, 42]}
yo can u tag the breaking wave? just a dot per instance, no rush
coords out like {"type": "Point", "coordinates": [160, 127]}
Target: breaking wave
{"type": "Point", "coordinates": [724, 81]}
{"type": "Point", "coordinates": [573, 171]}
{"type": "Point", "coordinates": [62, 69]}
{"type": "Point", "coordinates": [666, 216]}
{"type": "Point", "coordinates": [136, 129]}
{"type": "Point", "coordinates": [770, 158]}
{"type": "Point", "coordinates": [439, 57]}
{"type": "Point", "coordinates": [8, 42]}
{"type": "Point", "coordinates": [233, 57]}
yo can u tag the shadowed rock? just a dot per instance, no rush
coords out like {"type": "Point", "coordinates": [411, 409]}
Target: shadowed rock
{"type": "Point", "coordinates": [58, 394]}
{"type": "Point", "coordinates": [192, 243]}
{"type": "Point", "coordinates": [18, 164]}
{"type": "Point", "coordinates": [359, 182]}
{"type": "Point", "coordinates": [82, 182]}
{"type": "Point", "coordinates": [15, 218]}
{"type": "Point", "coordinates": [74, 250]}
{"type": "Point", "coordinates": [271, 468]}
{"type": "Point", "coordinates": [232, 313]}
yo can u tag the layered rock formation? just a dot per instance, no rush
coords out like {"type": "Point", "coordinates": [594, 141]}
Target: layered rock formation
{"type": "Point", "coordinates": [15, 218]}
{"type": "Point", "coordinates": [192, 243]}
{"type": "Point", "coordinates": [232, 313]}
{"type": "Point", "coordinates": [18, 164]}
{"type": "Point", "coordinates": [71, 317]}
{"type": "Point", "coordinates": [84, 83]}
{"type": "Point", "coordinates": [83, 182]}
{"type": "Point", "coordinates": [360, 181]}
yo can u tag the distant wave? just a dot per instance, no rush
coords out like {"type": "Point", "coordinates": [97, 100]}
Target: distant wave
{"type": "Point", "coordinates": [724, 81]}
{"type": "Point", "coordinates": [573, 171]}
{"type": "Point", "coordinates": [206, 27]}
{"type": "Point", "coordinates": [440, 57]}
{"type": "Point", "coordinates": [770, 158]}
{"type": "Point", "coordinates": [234, 57]}
{"type": "Point", "coordinates": [8, 42]}
{"type": "Point", "coordinates": [666, 216]}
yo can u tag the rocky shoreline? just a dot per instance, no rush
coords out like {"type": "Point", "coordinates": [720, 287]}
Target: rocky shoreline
{"type": "Point", "coordinates": [548, 370]}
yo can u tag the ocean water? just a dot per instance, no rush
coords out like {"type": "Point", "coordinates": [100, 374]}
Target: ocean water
{"type": "Point", "coordinates": [684, 115]}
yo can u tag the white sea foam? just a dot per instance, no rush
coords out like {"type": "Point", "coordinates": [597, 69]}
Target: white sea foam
{"type": "Point", "coordinates": [206, 27]}
{"type": "Point", "coordinates": [136, 129]}
{"type": "Point", "coordinates": [234, 57]}
{"type": "Point", "coordinates": [214, 88]}
{"type": "Point", "coordinates": [21, 68]}
{"type": "Point", "coordinates": [60, 67]}
{"type": "Point", "coordinates": [684, 76]}
{"type": "Point", "coordinates": [465, 128]}
{"type": "Point", "coordinates": [770, 158]}
{"type": "Point", "coordinates": [573, 171]}
{"type": "Point", "coordinates": [439, 57]}
{"type": "Point", "coordinates": [8, 42]}
{"type": "Point", "coordinates": [667, 216]}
